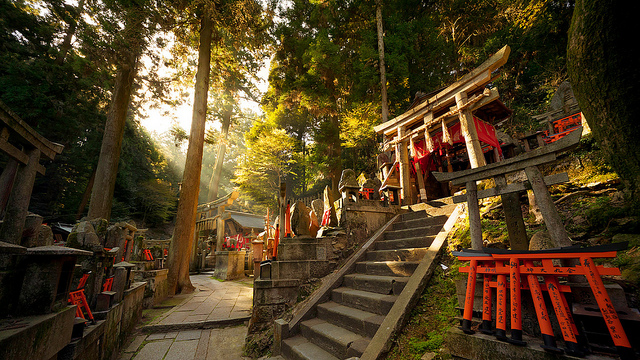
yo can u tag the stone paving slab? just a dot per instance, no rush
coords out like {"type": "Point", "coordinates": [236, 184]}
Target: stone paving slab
{"type": "Point", "coordinates": [213, 300]}
{"type": "Point", "coordinates": [210, 344]}
{"type": "Point", "coordinates": [154, 350]}
{"type": "Point", "coordinates": [204, 326]}
{"type": "Point", "coordinates": [182, 350]}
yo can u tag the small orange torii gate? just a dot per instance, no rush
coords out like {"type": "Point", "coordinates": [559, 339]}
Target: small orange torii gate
{"type": "Point", "coordinates": [531, 265]}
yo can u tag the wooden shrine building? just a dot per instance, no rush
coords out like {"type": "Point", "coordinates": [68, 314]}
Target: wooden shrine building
{"type": "Point", "coordinates": [447, 130]}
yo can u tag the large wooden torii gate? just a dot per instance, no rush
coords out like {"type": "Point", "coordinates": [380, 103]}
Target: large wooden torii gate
{"type": "Point", "coordinates": [24, 148]}
{"type": "Point", "coordinates": [459, 100]}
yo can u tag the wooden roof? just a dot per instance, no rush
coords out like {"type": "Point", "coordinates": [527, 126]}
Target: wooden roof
{"type": "Point", "coordinates": [472, 83]}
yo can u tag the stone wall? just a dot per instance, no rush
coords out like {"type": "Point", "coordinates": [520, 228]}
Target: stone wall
{"type": "Point", "coordinates": [156, 289]}
{"type": "Point", "coordinates": [103, 340]}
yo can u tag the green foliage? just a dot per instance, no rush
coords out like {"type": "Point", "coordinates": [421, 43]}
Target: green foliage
{"type": "Point", "coordinates": [433, 343]}
{"type": "Point", "coordinates": [64, 96]}
{"type": "Point", "coordinates": [431, 318]}
{"type": "Point", "coordinates": [268, 158]}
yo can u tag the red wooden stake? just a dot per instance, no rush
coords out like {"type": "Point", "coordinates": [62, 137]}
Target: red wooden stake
{"type": "Point", "coordinates": [541, 312]}
{"type": "Point", "coordinates": [486, 305]}
{"type": "Point", "coordinates": [608, 312]}
{"type": "Point", "coordinates": [516, 319]}
{"type": "Point", "coordinates": [501, 309]}
{"type": "Point", "coordinates": [469, 297]}
{"type": "Point", "coordinates": [567, 326]}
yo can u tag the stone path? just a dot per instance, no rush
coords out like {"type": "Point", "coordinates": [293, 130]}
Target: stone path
{"type": "Point", "coordinates": [212, 301]}
{"type": "Point", "coordinates": [208, 344]}
{"type": "Point", "coordinates": [221, 308]}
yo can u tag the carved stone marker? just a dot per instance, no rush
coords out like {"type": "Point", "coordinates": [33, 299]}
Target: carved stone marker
{"type": "Point", "coordinates": [300, 219]}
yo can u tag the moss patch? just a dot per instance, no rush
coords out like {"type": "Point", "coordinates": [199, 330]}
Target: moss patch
{"type": "Point", "coordinates": [431, 318]}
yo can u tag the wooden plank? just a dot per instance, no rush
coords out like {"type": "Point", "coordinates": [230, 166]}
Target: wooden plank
{"type": "Point", "coordinates": [513, 216]}
{"type": "Point", "coordinates": [405, 174]}
{"type": "Point", "coordinates": [439, 103]}
{"type": "Point", "coordinates": [513, 188]}
{"type": "Point", "coordinates": [13, 151]}
{"type": "Point", "coordinates": [495, 171]}
{"type": "Point", "coordinates": [470, 133]}
{"type": "Point", "coordinates": [27, 134]}
{"type": "Point", "coordinates": [512, 164]}
{"type": "Point", "coordinates": [450, 116]}
{"type": "Point", "coordinates": [423, 191]}
{"type": "Point", "coordinates": [548, 209]}
{"type": "Point", "coordinates": [480, 76]}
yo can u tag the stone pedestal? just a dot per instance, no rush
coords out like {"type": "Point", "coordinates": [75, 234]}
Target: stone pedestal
{"type": "Point", "coordinates": [229, 265]}
{"type": "Point", "coordinates": [47, 278]}
{"type": "Point", "coordinates": [39, 337]}
{"type": "Point", "coordinates": [364, 217]}
{"type": "Point", "coordinates": [10, 276]}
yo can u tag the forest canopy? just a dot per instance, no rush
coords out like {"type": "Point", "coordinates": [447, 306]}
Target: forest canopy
{"type": "Point", "coordinates": [58, 64]}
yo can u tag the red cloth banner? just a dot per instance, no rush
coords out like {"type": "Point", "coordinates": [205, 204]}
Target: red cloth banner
{"type": "Point", "coordinates": [486, 134]}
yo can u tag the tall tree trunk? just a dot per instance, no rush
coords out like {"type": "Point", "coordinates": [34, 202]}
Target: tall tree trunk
{"type": "Point", "coordinates": [107, 168]}
{"type": "Point", "coordinates": [214, 183]}
{"type": "Point", "coordinates": [183, 233]}
{"type": "Point", "coordinates": [602, 66]}
{"type": "Point", "coordinates": [383, 75]}
{"type": "Point", "coordinates": [71, 30]}
{"type": "Point", "coordinates": [86, 195]}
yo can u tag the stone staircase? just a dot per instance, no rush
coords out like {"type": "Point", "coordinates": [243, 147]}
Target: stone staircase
{"type": "Point", "coordinates": [355, 307]}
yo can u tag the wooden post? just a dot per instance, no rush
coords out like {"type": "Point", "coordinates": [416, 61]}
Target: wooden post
{"type": "Point", "coordinates": [282, 208]}
{"type": "Point", "coordinates": [219, 232]}
{"type": "Point", "coordinates": [475, 226]}
{"type": "Point", "coordinates": [468, 129]}
{"type": "Point", "coordinates": [496, 154]}
{"type": "Point", "coordinates": [7, 180]}
{"type": "Point", "coordinates": [548, 209]}
{"type": "Point", "coordinates": [405, 176]}
{"type": "Point", "coordinates": [16, 211]}
{"type": "Point", "coordinates": [423, 191]}
{"type": "Point", "coordinates": [513, 216]}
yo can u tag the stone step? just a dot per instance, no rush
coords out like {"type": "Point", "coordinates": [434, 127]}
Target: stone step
{"type": "Point", "coordinates": [336, 340]}
{"type": "Point", "coordinates": [386, 268]}
{"type": "Point", "coordinates": [414, 232]}
{"type": "Point", "coordinates": [358, 321]}
{"type": "Point", "coordinates": [410, 254]}
{"type": "Point", "coordinates": [387, 285]}
{"type": "Point", "coordinates": [414, 242]}
{"type": "Point", "coordinates": [299, 348]}
{"type": "Point", "coordinates": [420, 222]}
{"type": "Point", "coordinates": [363, 300]}
{"type": "Point", "coordinates": [412, 215]}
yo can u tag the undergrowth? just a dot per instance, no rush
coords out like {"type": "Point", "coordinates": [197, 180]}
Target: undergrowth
{"type": "Point", "coordinates": [431, 318]}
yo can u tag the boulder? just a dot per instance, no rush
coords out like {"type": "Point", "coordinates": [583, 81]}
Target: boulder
{"type": "Point", "coordinates": [328, 205]}
{"type": "Point", "coordinates": [31, 230]}
{"type": "Point", "coordinates": [348, 178]}
{"type": "Point", "coordinates": [100, 226]}
{"type": "Point", "coordinates": [84, 236]}
{"type": "Point", "coordinates": [317, 206]}
{"type": "Point", "coordinates": [45, 236]}
{"type": "Point", "coordinates": [300, 219]}
{"type": "Point", "coordinates": [541, 241]}
{"type": "Point", "coordinates": [314, 225]}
